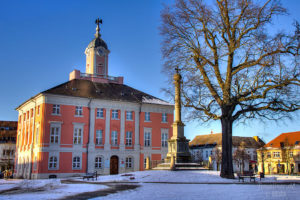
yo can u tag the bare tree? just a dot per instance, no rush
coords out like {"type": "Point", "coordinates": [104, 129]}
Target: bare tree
{"type": "Point", "coordinates": [240, 156]}
{"type": "Point", "coordinates": [217, 156]}
{"type": "Point", "coordinates": [287, 153]}
{"type": "Point", "coordinates": [232, 68]}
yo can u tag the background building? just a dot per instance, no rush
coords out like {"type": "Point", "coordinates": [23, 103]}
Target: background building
{"type": "Point", "coordinates": [93, 122]}
{"type": "Point", "coordinates": [208, 149]}
{"type": "Point", "coordinates": [281, 155]}
{"type": "Point", "coordinates": [8, 133]}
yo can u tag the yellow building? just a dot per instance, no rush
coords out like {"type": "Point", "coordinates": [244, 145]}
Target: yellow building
{"type": "Point", "coordinates": [281, 155]}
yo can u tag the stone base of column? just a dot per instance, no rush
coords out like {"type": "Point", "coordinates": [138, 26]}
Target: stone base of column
{"type": "Point", "coordinates": [179, 148]}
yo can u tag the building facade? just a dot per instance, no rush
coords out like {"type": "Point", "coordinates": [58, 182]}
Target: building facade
{"type": "Point", "coordinates": [8, 133]}
{"type": "Point", "coordinates": [281, 155]}
{"type": "Point", "coordinates": [93, 122]}
{"type": "Point", "coordinates": [208, 149]}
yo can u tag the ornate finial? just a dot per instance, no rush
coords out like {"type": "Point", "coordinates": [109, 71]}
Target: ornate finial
{"type": "Point", "coordinates": [98, 21]}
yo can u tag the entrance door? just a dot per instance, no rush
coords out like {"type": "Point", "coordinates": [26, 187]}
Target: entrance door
{"type": "Point", "coordinates": [114, 165]}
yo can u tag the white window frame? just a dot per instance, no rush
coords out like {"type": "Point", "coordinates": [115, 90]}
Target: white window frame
{"type": "Point", "coordinates": [100, 113]}
{"type": "Point", "coordinates": [52, 162]}
{"type": "Point", "coordinates": [147, 117]}
{"type": "Point", "coordinates": [76, 162]}
{"type": "Point", "coordinates": [78, 111]}
{"type": "Point", "coordinates": [114, 138]}
{"type": "Point", "coordinates": [164, 137]}
{"type": "Point", "coordinates": [276, 154]}
{"type": "Point", "coordinates": [98, 164]}
{"type": "Point", "coordinates": [129, 162]}
{"type": "Point", "coordinates": [164, 117]}
{"type": "Point", "coordinates": [99, 137]}
{"type": "Point", "coordinates": [57, 129]}
{"type": "Point", "coordinates": [129, 115]}
{"type": "Point", "coordinates": [77, 129]}
{"type": "Point", "coordinates": [55, 109]}
{"type": "Point", "coordinates": [128, 142]}
{"type": "Point", "coordinates": [147, 137]}
{"type": "Point", "coordinates": [114, 114]}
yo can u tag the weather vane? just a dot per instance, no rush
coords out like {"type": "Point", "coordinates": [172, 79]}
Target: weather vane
{"type": "Point", "coordinates": [98, 21]}
{"type": "Point", "coordinates": [177, 70]}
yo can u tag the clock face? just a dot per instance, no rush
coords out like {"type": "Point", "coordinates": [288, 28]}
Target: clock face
{"type": "Point", "coordinates": [100, 52]}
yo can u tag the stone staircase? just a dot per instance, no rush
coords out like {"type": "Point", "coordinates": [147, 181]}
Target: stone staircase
{"type": "Point", "coordinates": [180, 166]}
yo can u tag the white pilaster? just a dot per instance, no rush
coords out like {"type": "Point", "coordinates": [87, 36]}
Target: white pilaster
{"type": "Point", "coordinates": [137, 130]}
{"type": "Point", "coordinates": [91, 145]}
{"type": "Point", "coordinates": [107, 130]}
{"type": "Point", "coordinates": [122, 131]}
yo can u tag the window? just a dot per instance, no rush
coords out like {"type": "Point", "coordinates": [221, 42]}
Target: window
{"type": "Point", "coordinates": [76, 162]}
{"type": "Point", "coordinates": [164, 139]}
{"type": "Point", "coordinates": [291, 154]}
{"type": "Point", "coordinates": [35, 163]}
{"type": "Point", "coordinates": [145, 163]}
{"type": "Point", "coordinates": [114, 114]}
{"type": "Point", "coordinates": [99, 137]}
{"type": "Point", "coordinates": [128, 138]}
{"type": "Point", "coordinates": [100, 112]}
{"type": "Point", "coordinates": [98, 162]}
{"type": "Point", "coordinates": [269, 155]}
{"type": "Point", "coordinates": [254, 157]}
{"type": "Point", "coordinates": [147, 139]}
{"type": "Point", "coordinates": [54, 134]}
{"type": "Point", "coordinates": [56, 109]}
{"type": "Point", "coordinates": [114, 138]}
{"type": "Point", "coordinates": [77, 135]}
{"type": "Point", "coordinates": [276, 154]}
{"type": "Point", "coordinates": [128, 163]}
{"type": "Point", "coordinates": [38, 110]}
{"type": "Point", "coordinates": [147, 116]}
{"type": "Point", "coordinates": [78, 110]}
{"type": "Point", "coordinates": [129, 115]}
{"type": "Point", "coordinates": [53, 162]}
{"type": "Point", "coordinates": [37, 135]}
{"type": "Point", "coordinates": [164, 117]}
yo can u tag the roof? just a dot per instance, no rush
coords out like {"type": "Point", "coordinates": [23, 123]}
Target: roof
{"type": "Point", "coordinates": [105, 91]}
{"type": "Point", "coordinates": [291, 138]}
{"type": "Point", "coordinates": [97, 42]}
{"type": "Point", "coordinates": [8, 128]}
{"type": "Point", "coordinates": [216, 139]}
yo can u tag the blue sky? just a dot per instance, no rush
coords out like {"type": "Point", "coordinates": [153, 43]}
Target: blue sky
{"type": "Point", "coordinates": [43, 41]}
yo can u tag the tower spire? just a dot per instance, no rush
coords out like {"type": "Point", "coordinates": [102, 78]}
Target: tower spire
{"type": "Point", "coordinates": [98, 21]}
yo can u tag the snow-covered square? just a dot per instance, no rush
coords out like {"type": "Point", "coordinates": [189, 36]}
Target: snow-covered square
{"type": "Point", "coordinates": [153, 185]}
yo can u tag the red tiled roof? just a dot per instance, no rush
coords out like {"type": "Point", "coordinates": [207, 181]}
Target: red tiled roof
{"type": "Point", "coordinates": [291, 138]}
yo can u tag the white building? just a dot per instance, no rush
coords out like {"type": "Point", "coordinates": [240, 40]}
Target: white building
{"type": "Point", "coordinates": [204, 148]}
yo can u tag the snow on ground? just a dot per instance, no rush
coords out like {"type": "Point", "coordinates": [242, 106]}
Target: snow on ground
{"type": "Point", "coordinates": [51, 189]}
{"type": "Point", "coordinates": [204, 176]}
{"type": "Point", "coordinates": [159, 185]}
{"type": "Point", "coordinates": [151, 191]}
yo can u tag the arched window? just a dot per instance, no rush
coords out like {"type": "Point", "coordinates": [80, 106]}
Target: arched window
{"type": "Point", "coordinates": [52, 162]}
{"type": "Point", "coordinates": [98, 162]}
{"type": "Point", "coordinates": [129, 162]}
{"type": "Point", "coordinates": [76, 162]}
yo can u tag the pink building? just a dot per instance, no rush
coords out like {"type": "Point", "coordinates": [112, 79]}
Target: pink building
{"type": "Point", "coordinates": [93, 122]}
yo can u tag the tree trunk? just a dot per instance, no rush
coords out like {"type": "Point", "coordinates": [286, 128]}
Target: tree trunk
{"type": "Point", "coordinates": [227, 166]}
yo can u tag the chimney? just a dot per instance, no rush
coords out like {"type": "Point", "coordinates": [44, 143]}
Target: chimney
{"type": "Point", "coordinates": [256, 138]}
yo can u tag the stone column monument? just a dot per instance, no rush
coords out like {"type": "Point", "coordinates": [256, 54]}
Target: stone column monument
{"type": "Point", "coordinates": [178, 145]}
